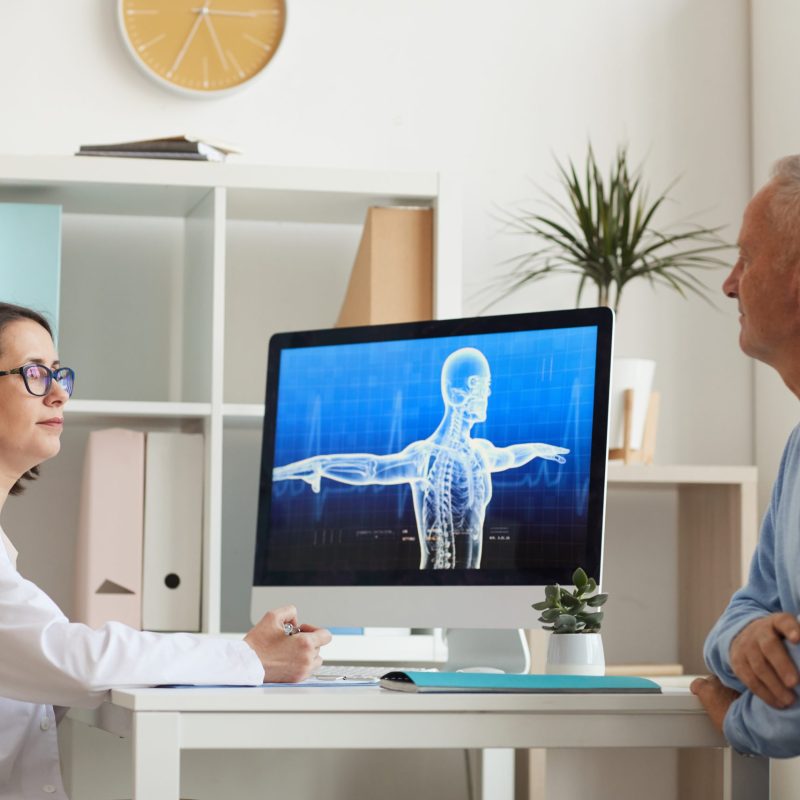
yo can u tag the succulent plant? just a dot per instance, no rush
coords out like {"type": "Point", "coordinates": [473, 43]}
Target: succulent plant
{"type": "Point", "coordinates": [568, 611]}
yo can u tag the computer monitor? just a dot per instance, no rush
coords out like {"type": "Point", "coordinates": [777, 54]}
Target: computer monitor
{"type": "Point", "coordinates": [433, 474]}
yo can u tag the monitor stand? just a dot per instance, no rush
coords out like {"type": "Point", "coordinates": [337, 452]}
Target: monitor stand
{"type": "Point", "coordinates": [447, 649]}
{"type": "Point", "coordinates": [487, 647]}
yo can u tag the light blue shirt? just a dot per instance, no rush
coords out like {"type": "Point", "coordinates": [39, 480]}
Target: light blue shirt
{"type": "Point", "coordinates": [751, 725]}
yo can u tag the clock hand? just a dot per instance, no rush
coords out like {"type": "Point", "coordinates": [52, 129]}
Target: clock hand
{"type": "Point", "coordinates": [201, 12]}
{"type": "Point", "coordinates": [224, 13]}
{"type": "Point", "coordinates": [214, 38]}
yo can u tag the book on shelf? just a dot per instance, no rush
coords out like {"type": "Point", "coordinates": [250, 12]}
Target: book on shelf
{"type": "Point", "coordinates": [392, 276]}
{"type": "Point", "coordinates": [30, 257]}
{"type": "Point", "coordinates": [173, 531]}
{"type": "Point", "coordinates": [172, 147]}
{"type": "Point", "coordinates": [108, 563]}
{"type": "Point", "coordinates": [140, 535]}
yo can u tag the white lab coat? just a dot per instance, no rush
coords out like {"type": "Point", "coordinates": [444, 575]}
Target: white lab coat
{"type": "Point", "coordinates": [47, 660]}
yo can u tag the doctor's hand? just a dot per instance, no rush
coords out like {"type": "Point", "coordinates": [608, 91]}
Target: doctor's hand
{"type": "Point", "coordinates": [760, 660]}
{"type": "Point", "coordinates": [286, 659]}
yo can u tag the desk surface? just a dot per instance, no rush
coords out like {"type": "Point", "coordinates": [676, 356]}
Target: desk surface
{"type": "Point", "coordinates": [370, 717]}
{"type": "Point", "coordinates": [372, 698]}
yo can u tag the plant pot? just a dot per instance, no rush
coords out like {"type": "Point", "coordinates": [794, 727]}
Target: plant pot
{"type": "Point", "coordinates": [635, 374]}
{"type": "Point", "coordinates": [575, 654]}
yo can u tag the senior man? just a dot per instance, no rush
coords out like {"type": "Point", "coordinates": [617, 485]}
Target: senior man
{"type": "Point", "coordinates": [753, 649]}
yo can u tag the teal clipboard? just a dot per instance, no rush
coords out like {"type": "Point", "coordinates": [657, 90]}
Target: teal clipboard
{"type": "Point", "coordinates": [411, 681]}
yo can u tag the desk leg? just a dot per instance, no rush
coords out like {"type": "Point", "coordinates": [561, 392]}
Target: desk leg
{"type": "Point", "coordinates": [156, 756]}
{"type": "Point", "coordinates": [497, 774]}
{"type": "Point", "coordinates": [745, 778]}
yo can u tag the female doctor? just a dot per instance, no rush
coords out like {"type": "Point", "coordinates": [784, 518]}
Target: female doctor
{"type": "Point", "coordinates": [45, 659]}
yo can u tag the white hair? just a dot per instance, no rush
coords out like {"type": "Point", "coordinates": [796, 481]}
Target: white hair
{"type": "Point", "coordinates": [785, 201]}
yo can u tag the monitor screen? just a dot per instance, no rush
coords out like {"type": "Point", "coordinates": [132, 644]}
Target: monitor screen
{"type": "Point", "coordinates": [451, 454]}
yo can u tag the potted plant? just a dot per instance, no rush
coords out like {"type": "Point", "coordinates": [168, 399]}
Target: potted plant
{"type": "Point", "coordinates": [604, 232]}
{"type": "Point", "coordinates": [575, 647]}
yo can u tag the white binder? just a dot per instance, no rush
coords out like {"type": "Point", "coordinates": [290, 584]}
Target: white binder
{"type": "Point", "coordinates": [173, 532]}
{"type": "Point", "coordinates": [108, 583]}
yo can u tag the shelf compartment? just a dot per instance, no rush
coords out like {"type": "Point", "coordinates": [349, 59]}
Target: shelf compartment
{"type": "Point", "coordinates": [265, 263]}
{"type": "Point", "coordinates": [241, 460]}
{"type": "Point", "coordinates": [127, 408]}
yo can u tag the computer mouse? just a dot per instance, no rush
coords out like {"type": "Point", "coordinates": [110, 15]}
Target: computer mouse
{"type": "Point", "coordinates": [481, 669]}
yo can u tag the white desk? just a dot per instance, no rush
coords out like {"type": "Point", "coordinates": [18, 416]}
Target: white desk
{"type": "Point", "coordinates": [162, 722]}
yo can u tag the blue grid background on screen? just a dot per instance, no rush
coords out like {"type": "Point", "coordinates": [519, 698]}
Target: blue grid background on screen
{"type": "Point", "coordinates": [379, 397]}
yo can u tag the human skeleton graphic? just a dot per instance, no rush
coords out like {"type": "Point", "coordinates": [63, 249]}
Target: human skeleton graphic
{"type": "Point", "coordinates": [449, 472]}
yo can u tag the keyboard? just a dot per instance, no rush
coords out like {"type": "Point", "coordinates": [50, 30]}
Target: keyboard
{"type": "Point", "coordinates": [357, 672]}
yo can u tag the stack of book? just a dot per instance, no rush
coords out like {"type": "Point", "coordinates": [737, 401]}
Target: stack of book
{"type": "Point", "coordinates": [176, 147]}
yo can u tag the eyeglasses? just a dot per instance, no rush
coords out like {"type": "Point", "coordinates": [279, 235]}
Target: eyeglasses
{"type": "Point", "coordinates": [38, 378]}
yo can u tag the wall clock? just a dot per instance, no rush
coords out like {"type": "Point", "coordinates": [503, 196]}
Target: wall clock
{"type": "Point", "coordinates": [203, 48]}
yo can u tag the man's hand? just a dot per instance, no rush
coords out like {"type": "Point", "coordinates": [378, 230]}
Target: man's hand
{"type": "Point", "coordinates": [715, 697]}
{"type": "Point", "coordinates": [286, 659]}
{"type": "Point", "coordinates": [761, 662]}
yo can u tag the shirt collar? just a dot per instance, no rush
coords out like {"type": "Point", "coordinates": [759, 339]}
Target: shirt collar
{"type": "Point", "coordinates": [10, 549]}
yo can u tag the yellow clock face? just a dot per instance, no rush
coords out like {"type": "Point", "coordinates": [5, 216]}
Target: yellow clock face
{"type": "Point", "coordinates": [203, 46]}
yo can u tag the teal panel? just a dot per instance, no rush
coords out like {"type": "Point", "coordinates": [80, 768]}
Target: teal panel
{"type": "Point", "coordinates": [30, 257]}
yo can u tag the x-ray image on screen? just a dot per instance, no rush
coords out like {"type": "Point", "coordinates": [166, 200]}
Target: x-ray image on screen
{"type": "Point", "coordinates": [454, 459]}
{"type": "Point", "coordinates": [449, 473]}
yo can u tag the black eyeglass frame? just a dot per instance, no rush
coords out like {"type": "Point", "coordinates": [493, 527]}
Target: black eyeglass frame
{"type": "Point", "coordinates": [52, 375]}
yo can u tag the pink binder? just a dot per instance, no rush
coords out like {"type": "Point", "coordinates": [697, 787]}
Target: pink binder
{"type": "Point", "coordinates": [109, 554]}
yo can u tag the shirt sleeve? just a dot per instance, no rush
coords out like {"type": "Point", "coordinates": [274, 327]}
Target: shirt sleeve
{"type": "Point", "coordinates": [45, 658]}
{"type": "Point", "coordinates": [753, 726]}
{"type": "Point", "coordinates": [758, 598]}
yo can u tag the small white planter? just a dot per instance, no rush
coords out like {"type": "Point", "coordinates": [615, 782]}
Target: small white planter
{"type": "Point", "coordinates": [575, 654]}
{"type": "Point", "coordinates": [636, 374]}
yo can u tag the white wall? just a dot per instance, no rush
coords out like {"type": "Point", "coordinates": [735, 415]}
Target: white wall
{"type": "Point", "coordinates": [491, 91]}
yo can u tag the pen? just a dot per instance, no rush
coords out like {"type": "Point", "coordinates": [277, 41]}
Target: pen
{"type": "Point", "coordinates": [290, 629]}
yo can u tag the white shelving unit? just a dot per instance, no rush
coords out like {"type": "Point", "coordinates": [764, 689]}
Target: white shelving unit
{"type": "Point", "coordinates": [160, 304]}
{"type": "Point", "coordinates": [716, 537]}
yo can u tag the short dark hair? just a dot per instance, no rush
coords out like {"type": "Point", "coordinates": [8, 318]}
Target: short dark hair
{"type": "Point", "coordinates": [10, 313]}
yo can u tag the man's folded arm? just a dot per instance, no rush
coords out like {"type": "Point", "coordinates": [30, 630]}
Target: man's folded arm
{"type": "Point", "coordinates": [753, 726]}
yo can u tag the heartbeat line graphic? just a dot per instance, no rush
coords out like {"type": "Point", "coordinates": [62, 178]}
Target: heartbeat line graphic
{"type": "Point", "coordinates": [579, 457]}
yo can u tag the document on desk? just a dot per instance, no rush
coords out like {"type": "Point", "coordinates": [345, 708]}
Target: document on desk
{"type": "Point", "coordinates": [327, 683]}
{"type": "Point", "coordinates": [324, 683]}
{"type": "Point", "coordinates": [478, 682]}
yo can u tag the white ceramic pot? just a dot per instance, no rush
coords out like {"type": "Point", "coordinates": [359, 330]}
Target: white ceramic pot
{"type": "Point", "coordinates": [636, 374]}
{"type": "Point", "coordinates": [575, 654]}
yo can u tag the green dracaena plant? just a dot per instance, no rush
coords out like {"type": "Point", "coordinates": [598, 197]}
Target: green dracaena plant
{"type": "Point", "coordinates": [567, 611]}
{"type": "Point", "coordinates": [604, 233]}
